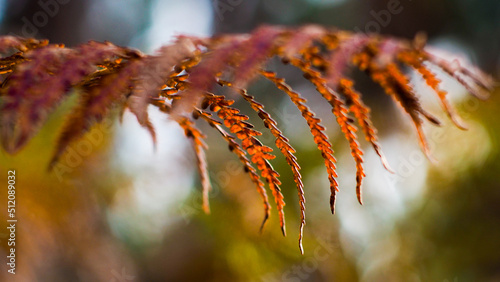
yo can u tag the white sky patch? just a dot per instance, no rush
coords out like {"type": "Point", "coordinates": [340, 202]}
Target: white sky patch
{"type": "Point", "coordinates": [102, 15]}
{"type": "Point", "coordinates": [172, 18]}
{"type": "Point", "coordinates": [162, 178]}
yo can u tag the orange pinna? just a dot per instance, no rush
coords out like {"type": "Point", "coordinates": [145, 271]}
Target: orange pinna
{"type": "Point", "coordinates": [180, 79]}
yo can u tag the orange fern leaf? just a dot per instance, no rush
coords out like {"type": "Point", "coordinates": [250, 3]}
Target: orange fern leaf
{"type": "Point", "coordinates": [345, 87]}
{"type": "Point", "coordinates": [238, 150]}
{"type": "Point", "coordinates": [286, 149]}
{"type": "Point", "coordinates": [176, 83]}
{"type": "Point", "coordinates": [396, 85]}
{"type": "Point", "coordinates": [362, 114]}
{"type": "Point", "coordinates": [340, 111]}
{"type": "Point", "coordinates": [260, 154]}
{"type": "Point", "coordinates": [195, 134]}
{"type": "Point", "coordinates": [317, 131]}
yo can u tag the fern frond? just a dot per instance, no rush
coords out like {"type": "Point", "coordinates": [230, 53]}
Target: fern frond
{"type": "Point", "coordinates": [362, 114]}
{"type": "Point", "coordinates": [389, 76]}
{"type": "Point", "coordinates": [260, 153]}
{"type": "Point", "coordinates": [176, 82]}
{"type": "Point", "coordinates": [340, 112]}
{"type": "Point", "coordinates": [353, 99]}
{"type": "Point", "coordinates": [248, 167]}
{"type": "Point", "coordinates": [179, 80]}
{"type": "Point", "coordinates": [317, 131]}
{"type": "Point", "coordinates": [286, 149]}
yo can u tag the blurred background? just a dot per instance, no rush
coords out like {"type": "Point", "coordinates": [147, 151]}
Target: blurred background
{"type": "Point", "coordinates": [116, 210]}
